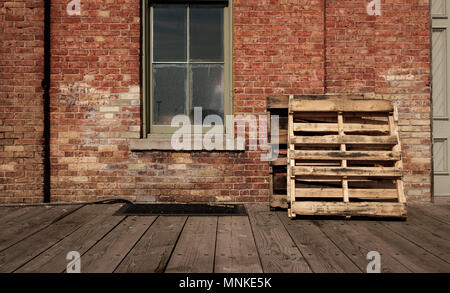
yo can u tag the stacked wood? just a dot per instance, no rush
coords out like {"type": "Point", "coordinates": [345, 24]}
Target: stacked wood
{"type": "Point", "coordinates": [344, 158]}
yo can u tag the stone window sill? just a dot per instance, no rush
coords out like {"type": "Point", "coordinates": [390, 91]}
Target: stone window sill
{"type": "Point", "coordinates": [163, 143]}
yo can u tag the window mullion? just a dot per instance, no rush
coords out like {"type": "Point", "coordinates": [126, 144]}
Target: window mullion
{"type": "Point", "coordinates": [188, 67]}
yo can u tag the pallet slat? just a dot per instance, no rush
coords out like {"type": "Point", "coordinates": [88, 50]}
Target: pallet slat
{"type": "Point", "coordinates": [348, 155]}
{"type": "Point", "coordinates": [344, 139]}
{"type": "Point", "coordinates": [348, 171]}
{"type": "Point", "coordinates": [352, 193]}
{"type": "Point", "coordinates": [341, 106]}
{"type": "Point", "coordinates": [367, 209]}
{"type": "Point", "coordinates": [333, 127]}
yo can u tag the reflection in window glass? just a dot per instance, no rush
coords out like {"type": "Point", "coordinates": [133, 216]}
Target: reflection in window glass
{"type": "Point", "coordinates": [207, 89]}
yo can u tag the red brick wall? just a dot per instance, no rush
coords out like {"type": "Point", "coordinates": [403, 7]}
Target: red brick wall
{"type": "Point", "coordinates": [280, 47]}
{"type": "Point", "coordinates": [21, 118]}
{"type": "Point", "coordinates": [387, 57]}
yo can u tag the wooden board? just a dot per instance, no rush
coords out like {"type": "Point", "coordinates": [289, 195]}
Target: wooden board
{"type": "Point", "coordinates": [106, 255]}
{"type": "Point", "coordinates": [30, 221]}
{"type": "Point", "coordinates": [235, 247]}
{"type": "Point", "coordinates": [194, 252]}
{"type": "Point", "coordinates": [409, 254]}
{"type": "Point", "coordinates": [439, 213]}
{"type": "Point", "coordinates": [279, 201]}
{"type": "Point", "coordinates": [426, 221]}
{"type": "Point", "coordinates": [356, 242]}
{"type": "Point", "coordinates": [53, 260]}
{"type": "Point", "coordinates": [319, 251]}
{"type": "Point", "coordinates": [17, 255]}
{"type": "Point", "coordinates": [5, 211]}
{"type": "Point", "coordinates": [344, 139]}
{"type": "Point", "coordinates": [348, 155]}
{"type": "Point", "coordinates": [349, 171]}
{"type": "Point", "coordinates": [333, 127]}
{"type": "Point", "coordinates": [151, 253]}
{"type": "Point", "coordinates": [342, 105]}
{"type": "Point", "coordinates": [367, 209]}
{"type": "Point", "coordinates": [277, 251]}
{"type": "Point", "coordinates": [352, 193]}
{"type": "Point", "coordinates": [429, 241]}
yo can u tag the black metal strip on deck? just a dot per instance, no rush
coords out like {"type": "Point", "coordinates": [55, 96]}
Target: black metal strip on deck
{"type": "Point", "coordinates": [182, 210]}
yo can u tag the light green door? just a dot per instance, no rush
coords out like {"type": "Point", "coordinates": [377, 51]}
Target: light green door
{"type": "Point", "coordinates": [441, 95]}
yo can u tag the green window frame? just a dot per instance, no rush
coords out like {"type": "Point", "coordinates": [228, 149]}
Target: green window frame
{"type": "Point", "coordinates": [148, 125]}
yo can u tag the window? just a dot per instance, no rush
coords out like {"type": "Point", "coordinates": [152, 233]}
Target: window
{"type": "Point", "coordinates": [187, 61]}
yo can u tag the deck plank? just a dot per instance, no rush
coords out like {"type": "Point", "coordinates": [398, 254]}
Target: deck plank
{"type": "Point", "coordinates": [436, 211]}
{"type": "Point", "coordinates": [5, 211]}
{"type": "Point", "coordinates": [33, 220]}
{"type": "Point", "coordinates": [194, 252]}
{"type": "Point", "coordinates": [409, 254]}
{"type": "Point", "coordinates": [320, 252]}
{"type": "Point", "coordinates": [356, 242]}
{"type": "Point", "coordinates": [428, 223]}
{"type": "Point", "coordinates": [54, 260]}
{"type": "Point", "coordinates": [277, 251]}
{"type": "Point", "coordinates": [107, 254]}
{"type": "Point", "coordinates": [236, 249]}
{"type": "Point", "coordinates": [22, 252]}
{"type": "Point", "coordinates": [151, 254]}
{"type": "Point", "coordinates": [428, 241]}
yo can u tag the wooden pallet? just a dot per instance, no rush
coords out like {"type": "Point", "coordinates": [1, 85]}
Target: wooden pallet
{"type": "Point", "coordinates": [279, 106]}
{"type": "Point", "coordinates": [344, 158]}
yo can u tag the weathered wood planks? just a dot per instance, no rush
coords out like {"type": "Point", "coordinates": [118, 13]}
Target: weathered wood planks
{"type": "Point", "coordinates": [194, 252]}
{"type": "Point", "coordinates": [334, 145]}
{"type": "Point", "coordinates": [319, 251]}
{"type": "Point", "coordinates": [53, 260]}
{"type": "Point", "coordinates": [152, 252]}
{"type": "Point", "coordinates": [236, 251]}
{"type": "Point", "coordinates": [20, 253]}
{"type": "Point", "coordinates": [277, 251]}
{"type": "Point", "coordinates": [106, 255]}
{"type": "Point", "coordinates": [366, 209]}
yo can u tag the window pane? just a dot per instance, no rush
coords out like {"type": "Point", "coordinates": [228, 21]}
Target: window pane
{"type": "Point", "coordinates": [169, 92]}
{"type": "Point", "coordinates": [169, 29]}
{"type": "Point", "coordinates": [206, 33]}
{"type": "Point", "coordinates": [207, 88]}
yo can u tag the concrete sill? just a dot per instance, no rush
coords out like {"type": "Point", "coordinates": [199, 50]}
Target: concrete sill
{"type": "Point", "coordinates": [163, 143]}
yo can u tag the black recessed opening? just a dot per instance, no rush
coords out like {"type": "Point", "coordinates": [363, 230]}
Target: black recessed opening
{"type": "Point", "coordinates": [182, 210]}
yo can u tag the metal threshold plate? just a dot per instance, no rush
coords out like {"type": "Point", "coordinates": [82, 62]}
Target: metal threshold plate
{"type": "Point", "coordinates": [182, 210]}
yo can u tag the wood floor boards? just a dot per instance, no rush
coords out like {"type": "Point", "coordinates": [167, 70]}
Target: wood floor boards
{"type": "Point", "coordinates": [151, 254]}
{"type": "Point", "coordinates": [19, 254]}
{"type": "Point", "coordinates": [277, 251]}
{"type": "Point", "coordinates": [194, 252]}
{"type": "Point", "coordinates": [107, 254]}
{"type": "Point", "coordinates": [37, 239]}
{"type": "Point", "coordinates": [320, 252]}
{"type": "Point", "coordinates": [22, 223]}
{"type": "Point", "coordinates": [235, 247]}
{"type": "Point", "coordinates": [54, 260]}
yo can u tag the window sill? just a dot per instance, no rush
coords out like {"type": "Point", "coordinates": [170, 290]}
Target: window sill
{"type": "Point", "coordinates": [162, 142]}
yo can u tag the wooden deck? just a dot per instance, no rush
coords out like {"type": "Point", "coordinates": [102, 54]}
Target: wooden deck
{"type": "Point", "coordinates": [37, 239]}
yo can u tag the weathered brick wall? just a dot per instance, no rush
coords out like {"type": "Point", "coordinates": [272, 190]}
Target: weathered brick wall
{"type": "Point", "coordinates": [21, 118]}
{"type": "Point", "coordinates": [387, 57]}
{"type": "Point", "coordinates": [280, 47]}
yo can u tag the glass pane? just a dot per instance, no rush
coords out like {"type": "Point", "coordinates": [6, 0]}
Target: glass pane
{"type": "Point", "coordinates": [169, 92]}
{"type": "Point", "coordinates": [206, 33]}
{"type": "Point", "coordinates": [207, 89]}
{"type": "Point", "coordinates": [169, 32]}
